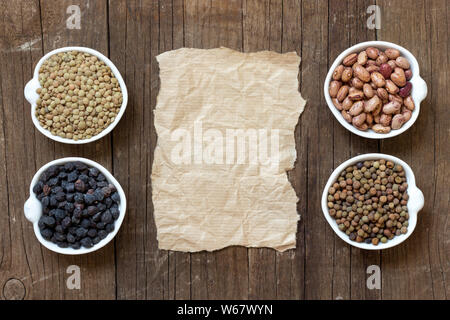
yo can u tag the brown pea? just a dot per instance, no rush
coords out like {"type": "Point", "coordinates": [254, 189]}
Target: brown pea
{"type": "Point", "coordinates": [368, 90]}
{"type": "Point", "coordinates": [379, 128]}
{"type": "Point", "coordinates": [372, 52]}
{"type": "Point", "coordinates": [350, 59]}
{"type": "Point", "coordinates": [372, 104]}
{"type": "Point", "coordinates": [338, 72]}
{"type": "Point", "coordinates": [355, 94]}
{"type": "Point", "coordinates": [347, 117]}
{"type": "Point", "coordinates": [347, 103]}
{"type": "Point", "coordinates": [337, 104]}
{"type": "Point", "coordinates": [347, 74]}
{"type": "Point", "coordinates": [385, 119]}
{"type": "Point", "coordinates": [382, 58]}
{"type": "Point", "coordinates": [362, 58]}
{"type": "Point", "coordinates": [397, 121]}
{"type": "Point", "coordinates": [357, 83]}
{"type": "Point", "coordinates": [359, 119]}
{"type": "Point", "coordinates": [356, 108]}
{"type": "Point", "coordinates": [361, 72]}
{"type": "Point", "coordinates": [409, 103]}
{"type": "Point", "coordinates": [342, 93]}
{"type": "Point", "coordinates": [334, 88]}
{"type": "Point", "coordinates": [391, 87]}
{"type": "Point", "coordinates": [378, 79]}
{"type": "Point", "coordinates": [402, 62]}
{"type": "Point", "coordinates": [391, 107]}
{"type": "Point", "coordinates": [398, 77]}
{"type": "Point", "coordinates": [392, 53]}
{"type": "Point", "coordinates": [382, 94]}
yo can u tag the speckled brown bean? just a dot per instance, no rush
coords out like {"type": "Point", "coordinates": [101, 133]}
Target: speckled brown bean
{"type": "Point", "coordinates": [382, 94]}
{"type": "Point", "coordinates": [347, 74]}
{"type": "Point", "coordinates": [392, 64]}
{"type": "Point", "coordinates": [391, 87]}
{"type": "Point", "coordinates": [355, 94]}
{"type": "Point", "coordinates": [372, 52]}
{"type": "Point", "coordinates": [356, 108]}
{"type": "Point", "coordinates": [361, 72]}
{"type": "Point", "coordinates": [385, 119]}
{"type": "Point", "coordinates": [409, 103]}
{"type": "Point", "coordinates": [338, 72]}
{"type": "Point", "coordinates": [398, 77]}
{"type": "Point", "coordinates": [357, 83]}
{"type": "Point", "coordinates": [392, 53]}
{"type": "Point", "coordinates": [342, 93]}
{"type": "Point", "coordinates": [379, 128]}
{"type": "Point", "coordinates": [368, 90]}
{"type": "Point", "coordinates": [362, 127]}
{"type": "Point", "coordinates": [347, 103]}
{"type": "Point", "coordinates": [392, 107]}
{"type": "Point", "coordinates": [362, 58]}
{"type": "Point", "coordinates": [347, 117]}
{"type": "Point", "coordinates": [408, 74]}
{"type": "Point", "coordinates": [378, 79]}
{"type": "Point", "coordinates": [396, 97]}
{"type": "Point", "coordinates": [369, 118]}
{"type": "Point", "coordinates": [359, 120]}
{"type": "Point", "coordinates": [376, 118]}
{"type": "Point", "coordinates": [334, 88]}
{"type": "Point", "coordinates": [382, 58]}
{"type": "Point", "coordinates": [337, 104]}
{"type": "Point", "coordinates": [406, 113]}
{"type": "Point", "coordinates": [402, 62]}
{"type": "Point", "coordinates": [397, 121]}
{"type": "Point", "coordinates": [372, 104]}
{"type": "Point", "coordinates": [373, 68]}
{"type": "Point", "coordinates": [350, 59]}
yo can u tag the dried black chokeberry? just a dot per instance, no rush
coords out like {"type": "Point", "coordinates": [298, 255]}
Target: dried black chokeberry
{"type": "Point", "coordinates": [92, 233]}
{"type": "Point", "coordinates": [85, 223]}
{"type": "Point", "coordinates": [38, 187]}
{"type": "Point", "coordinates": [80, 186]}
{"type": "Point", "coordinates": [46, 233]}
{"type": "Point", "coordinates": [116, 197]}
{"type": "Point", "coordinates": [89, 199]}
{"type": "Point", "coordinates": [71, 177]}
{"type": "Point", "coordinates": [107, 217]}
{"type": "Point", "coordinates": [81, 232]}
{"type": "Point", "coordinates": [93, 172]}
{"type": "Point", "coordinates": [87, 242]}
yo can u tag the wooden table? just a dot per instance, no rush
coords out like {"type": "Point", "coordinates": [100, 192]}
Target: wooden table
{"type": "Point", "coordinates": [132, 33]}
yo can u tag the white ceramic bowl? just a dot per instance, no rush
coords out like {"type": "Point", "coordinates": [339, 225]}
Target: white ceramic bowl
{"type": "Point", "coordinates": [418, 93]}
{"type": "Point", "coordinates": [32, 96]}
{"type": "Point", "coordinates": [415, 202]}
{"type": "Point", "coordinates": [33, 208]}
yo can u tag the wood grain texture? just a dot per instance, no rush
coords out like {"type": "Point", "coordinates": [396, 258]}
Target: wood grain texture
{"type": "Point", "coordinates": [132, 33]}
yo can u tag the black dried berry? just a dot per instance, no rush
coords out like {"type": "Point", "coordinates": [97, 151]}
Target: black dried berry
{"type": "Point", "coordinates": [53, 182]}
{"type": "Point", "coordinates": [102, 184]}
{"type": "Point", "coordinates": [62, 244]}
{"type": "Point", "coordinates": [83, 178]}
{"type": "Point", "coordinates": [69, 207]}
{"type": "Point", "coordinates": [60, 236]}
{"type": "Point", "coordinates": [112, 187]}
{"type": "Point", "coordinates": [71, 238]}
{"type": "Point", "coordinates": [92, 183]}
{"type": "Point", "coordinates": [70, 187]}
{"type": "Point", "coordinates": [78, 198]}
{"type": "Point", "coordinates": [62, 205]}
{"type": "Point", "coordinates": [60, 214]}
{"type": "Point", "coordinates": [46, 234]}
{"type": "Point", "coordinates": [116, 197]}
{"type": "Point", "coordinates": [115, 212]}
{"type": "Point", "coordinates": [91, 210]}
{"type": "Point", "coordinates": [101, 177]}
{"type": "Point", "coordinates": [107, 217]}
{"type": "Point", "coordinates": [97, 217]}
{"type": "Point", "coordinates": [101, 225]}
{"type": "Point", "coordinates": [57, 189]}
{"type": "Point", "coordinates": [75, 220]}
{"type": "Point", "coordinates": [89, 198]}
{"type": "Point", "coordinates": [59, 229]}
{"type": "Point", "coordinates": [84, 213]}
{"type": "Point", "coordinates": [70, 197]}
{"type": "Point", "coordinates": [106, 191]}
{"type": "Point", "coordinates": [73, 230]}
{"type": "Point", "coordinates": [80, 166]}
{"type": "Point", "coordinates": [87, 242]}
{"type": "Point", "coordinates": [92, 233]}
{"type": "Point", "coordinates": [96, 240]}
{"type": "Point", "coordinates": [79, 205]}
{"type": "Point", "coordinates": [69, 166]}
{"type": "Point", "coordinates": [101, 207]}
{"type": "Point", "coordinates": [81, 232]}
{"type": "Point", "coordinates": [109, 227]}
{"type": "Point", "coordinates": [38, 187]}
{"type": "Point", "coordinates": [45, 201]}
{"type": "Point", "coordinates": [108, 202]}
{"type": "Point", "coordinates": [46, 190]}
{"type": "Point", "coordinates": [85, 223]}
{"type": "Point", "coordinates": [65, 223]}
{"type": "Point", "coordinates": [41, 223]}
{"type": "Point", "coordinates": [53, 201]}
{"type": "Point", "coordinates": [60, 196]}
{"type": "Point", "coordinates": [98, 194]}
{"type": "Point", "coordinates": [93, 172]}
{"type": "Point", "coordinates": [49, 221]}
{"type": "Point", "coordinates": [102, 234]}
{"type": "Point", "coordinates": [62, 175]}
{"type": "Point", "coordinates": [71, 177]}
{"type": "Point", "coordinates": [75, 245]}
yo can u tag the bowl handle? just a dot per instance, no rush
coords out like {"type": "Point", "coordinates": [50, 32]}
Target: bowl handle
{"type": "Point", "coordinates": [32, 209]}
{"type": "Point", "coordinates": [418, 199]}
{"type": "Point", "coordinates": [423, 89]}
{"type": "Point", "coordinates": [30, 91]}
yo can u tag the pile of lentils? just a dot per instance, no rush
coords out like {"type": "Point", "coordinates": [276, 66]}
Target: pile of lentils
{"type": "Point", "coordinates": [79, 95]}
{"type": "Point", "coordinates": [79, 205]}
{"type": "Point", "coordinates": [369, 201]}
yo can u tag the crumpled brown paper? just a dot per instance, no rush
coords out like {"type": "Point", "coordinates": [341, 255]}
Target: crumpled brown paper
{"type": "Point", "coordinates": [210, 189]}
